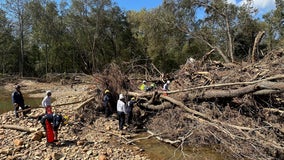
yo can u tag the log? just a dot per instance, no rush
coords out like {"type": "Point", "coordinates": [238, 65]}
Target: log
{"type": "Point", "coordinates": [20, 111]}
{"type": "Point", "coordinates": [85, 102]}
{"type": "Point", "coordinates": [162, 139]}
{"type": "Point", "coordinates": [142, 138]}
{"type": "Point", "coordinates": [275, 77]}
{"type": "Point", "coordinates": [273, 110]}
{"type": "Point", "coordinates": [257, 39]}
{"type": "Point", "coordinates": [20, 128]}
{"type": "Point", "coordinates": [164, 105]}
{"type": "Point", "coordinates": [204, 58]}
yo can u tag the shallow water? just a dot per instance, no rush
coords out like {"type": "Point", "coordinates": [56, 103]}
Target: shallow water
{"type": "Point", "coordinates": [160, 151]}
{"type": "Point", "coordinates": [6, 102]}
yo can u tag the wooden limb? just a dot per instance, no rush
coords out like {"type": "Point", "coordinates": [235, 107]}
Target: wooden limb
{"type": "Point", "coordinates": [267, 92]}
{"type": "Point", "coordinates": [280, 76]}
{"type": "Point", "coordinates": [164, 105]}
{"type": "Point", "coordinates": [20, 128]}
{"type": "Point", "coordinates": [162, 139]}
{"type": "Point", "coordinates": [153, 98]}
{"type": "Point", "coordinates": [85, 102]}
{"type": "Point", "coordinates": [157, 69]}
{"type": "Point", "coordinates": [204, 58]}
{"type": "Point", "coordinates": [273, 110]}
{"type": "Point", "coordinates": [142, 138]}
{"type": "Point", "coordinates": [226, 93]}
{"type": "Point", "coordinates": [256, 42]}
{"type": "Point", "coordinates": [180, 104]}
{"type": "Point", "coordinates": [261, 88]}
{"type": "Point", "coordinates": [24, 110]}
{"type": "Point", "coordinates": [57, 105]}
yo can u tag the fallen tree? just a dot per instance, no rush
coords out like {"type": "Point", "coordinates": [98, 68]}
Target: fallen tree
{"type": "Point", "coordinates": [237, 107]}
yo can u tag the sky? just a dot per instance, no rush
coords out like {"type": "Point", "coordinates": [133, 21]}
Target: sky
{"type": "Point", "coordinates": [263, 6]}
{"type": "Point", "coordinates": [137, 5]}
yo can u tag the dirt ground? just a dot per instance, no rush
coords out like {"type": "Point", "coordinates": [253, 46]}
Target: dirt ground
{"type": "Point", "coordinates": [78, 140]}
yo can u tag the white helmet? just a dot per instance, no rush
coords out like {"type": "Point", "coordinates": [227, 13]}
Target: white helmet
{"type": "Point", "coordinates": [121, 96]}
{"type": "Point", "coordinates": [48, 92]}
{"type": "Point", "coordinates": [168, 82]}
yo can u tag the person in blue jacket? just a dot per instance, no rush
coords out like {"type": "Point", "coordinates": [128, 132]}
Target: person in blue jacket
{"type": "Point", "coordinates": [56, 120]}
{"type": "Point", "coordinates": [18, 100]}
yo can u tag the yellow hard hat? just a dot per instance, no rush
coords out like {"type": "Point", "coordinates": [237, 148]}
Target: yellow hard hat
{"type": "Point", "coordinates": [133, 98]}
{"type": "Point", "coordinates": [106, 91]}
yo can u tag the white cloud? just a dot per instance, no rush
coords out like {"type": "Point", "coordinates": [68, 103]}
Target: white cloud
{"type": "Point", "coordinates": [262, 5]}
{"type": "Point", "coordinates": [265, 4]}
{"type": "Point", "coordinates": [232, 1]}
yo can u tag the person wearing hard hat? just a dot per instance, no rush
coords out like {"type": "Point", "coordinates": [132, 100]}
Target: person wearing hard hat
{"type": "Point", "coordinates": [121, 110]}
{"type": "Point", "coordinates": [166, 86]}
{"type": "Point", "coordinates": [143, 86]}
{"type": "Point", "coordinates": [18, 100]}
{"type": "Point", "coordinates": [46, 102]}
{"type": "Point", "coordinates": [57, 120]}
{"type": "Point", "coordinates": [129, 110]}
{"type": "Point", "coordinates": [107, 103]}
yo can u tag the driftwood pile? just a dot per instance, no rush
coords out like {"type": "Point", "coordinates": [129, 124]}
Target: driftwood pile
{"type": "Point", "coordinates": [236, 109]}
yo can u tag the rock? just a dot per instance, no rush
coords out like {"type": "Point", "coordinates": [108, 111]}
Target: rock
{"type": "Point", "coordinates": [2, 137]}
{"type": "Point", "coordinates": [18, 142]}
{"type": "Point", "coordinates": [109, 151]}
{"type": "Point", "coordinates": [6, 151]}
{"type": "Point", "coordinates": [80, 142]}
{"type": "Point", "coordinates": [102, 157]}
{"type": "Point", "coordinates": [108, 128]}
{"type": "Point", "coordinates": [37, 136]}
{"type": "Point", "coordinates": [56, 156]}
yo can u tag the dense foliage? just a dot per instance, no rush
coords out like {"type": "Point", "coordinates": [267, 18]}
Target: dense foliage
{"type": "Point", "coordinates": [44, 36]}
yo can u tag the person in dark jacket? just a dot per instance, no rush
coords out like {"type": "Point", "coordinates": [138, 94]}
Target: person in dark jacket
{"type": "Point", "coordinates": [129, 110]}
{"type": "Point", "coordinates": [56, 120]}
{"type": "Point", "coordinates": [107, 103]}
{"type": "Point", "coordinates": [18, 100]}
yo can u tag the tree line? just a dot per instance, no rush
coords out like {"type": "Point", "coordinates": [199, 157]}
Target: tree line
{"type": "Point", "coordinates": [45, 36]}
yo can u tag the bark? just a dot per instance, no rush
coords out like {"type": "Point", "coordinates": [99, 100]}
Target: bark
{"type": "Point", "coordinates": [256, 42]}
{"type": "Point", "coordinates": [204, 58]}
{"type": "Point", "coordinates": [19, 128]}
{"type": "Point", "coordinates": [85, 102]}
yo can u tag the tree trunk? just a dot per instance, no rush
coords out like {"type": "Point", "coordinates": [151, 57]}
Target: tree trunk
{"type": "Point", "coordinates": [255, 45]}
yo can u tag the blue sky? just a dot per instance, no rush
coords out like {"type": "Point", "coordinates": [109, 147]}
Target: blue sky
{"type": "Point", "coordinates": [263, 6]}
{"type": "Point", "coordinates": [138, 4]}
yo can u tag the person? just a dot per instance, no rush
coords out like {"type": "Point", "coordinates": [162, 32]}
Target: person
{"type": "Point", "coordinates": [18, 101]}
{"type": "Point", "coordinates": [121, 111]}
{"type": "Point", "coordinates": [166, 86]}
{"type": "Point", "coordinates": [107, 103]}
{"type": "Point", "coordinates": [46, 102]}
{"type": "Point", "coordinates": [143, 86]}
{"type": "Point", "coordinates": [152, 87]}
{"type": "Point", "coordinates": [129, 110]}
{"type": "Point", "coordinates": [56, 120]}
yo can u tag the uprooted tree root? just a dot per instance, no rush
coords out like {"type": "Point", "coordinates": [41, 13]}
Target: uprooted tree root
{"type": "Point", "coordinates": [236, 108]}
